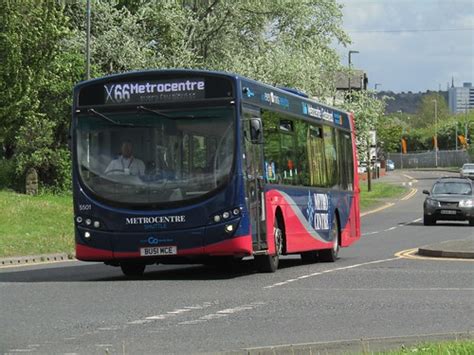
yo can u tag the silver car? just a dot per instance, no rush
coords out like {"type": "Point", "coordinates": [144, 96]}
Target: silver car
{"type": "Point", "coordinates": [467, 170]}
{"type": "Point", "coordinates": [450, 199]}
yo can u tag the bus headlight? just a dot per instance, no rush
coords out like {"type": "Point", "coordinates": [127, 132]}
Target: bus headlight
{"type": "Point", "coordinates": [230, 214]}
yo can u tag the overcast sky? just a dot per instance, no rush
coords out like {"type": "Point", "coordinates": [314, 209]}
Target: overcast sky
{"type": "Point", "coordinates": [411, 45]}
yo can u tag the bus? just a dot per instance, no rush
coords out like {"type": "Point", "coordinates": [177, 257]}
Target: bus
{"type": "Point", "coordinates": [193, 166]}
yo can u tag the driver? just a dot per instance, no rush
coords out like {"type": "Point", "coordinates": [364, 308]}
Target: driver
{"type": "Point", "coordinates": [126, 163]}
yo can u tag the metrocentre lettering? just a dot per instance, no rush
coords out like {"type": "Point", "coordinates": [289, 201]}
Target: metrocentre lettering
{"type": "Point", "coordinates": [117, 93]}
{"type": "Point", "coordinates": [153, 220]}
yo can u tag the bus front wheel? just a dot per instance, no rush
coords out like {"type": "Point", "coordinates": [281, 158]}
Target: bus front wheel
{"type": "Point", "coordinates": [269, 263]}
{"type": "Point", "coordinates": [131, 269]}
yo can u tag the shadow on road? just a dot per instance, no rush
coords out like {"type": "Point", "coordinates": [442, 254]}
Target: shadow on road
{"type": "Point", "coordinates": [102, 273]}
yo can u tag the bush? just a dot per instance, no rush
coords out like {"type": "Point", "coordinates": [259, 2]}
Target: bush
{"type": "Point", "coordinates": [7, 174]}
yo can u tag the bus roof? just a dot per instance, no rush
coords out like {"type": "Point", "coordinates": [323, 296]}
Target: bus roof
{"type": "Point", "coordinates": [250, 91]}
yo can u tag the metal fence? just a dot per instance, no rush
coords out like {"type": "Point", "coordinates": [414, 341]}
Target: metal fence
{"type": "Point", "coordinates": [445, 158]}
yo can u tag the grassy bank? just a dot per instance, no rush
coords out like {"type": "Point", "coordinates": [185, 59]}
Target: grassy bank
{"type": "Point", "coordinates": [461, 347]}
{"type": "Point", "coordinates": [32, 225]}
{"type": "Point", "coordinates": [380, 193]}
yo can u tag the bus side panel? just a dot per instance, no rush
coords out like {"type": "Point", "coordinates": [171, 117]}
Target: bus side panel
{"type": "Point", "coordinates": [300, 235]}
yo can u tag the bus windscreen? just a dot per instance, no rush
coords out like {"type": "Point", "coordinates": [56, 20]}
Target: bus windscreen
{"type": "Point", "coordinates": [149, 157]}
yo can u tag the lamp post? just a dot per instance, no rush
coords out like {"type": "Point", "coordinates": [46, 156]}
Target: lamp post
{"type": "Point", "coordinates": [350, 74]}
{"type": "Point", "coordinates": [375, 86]}
{"type": "Point", "coordinates": [436, 131]}
{"type": "Point", "coordinates": [88, 39]}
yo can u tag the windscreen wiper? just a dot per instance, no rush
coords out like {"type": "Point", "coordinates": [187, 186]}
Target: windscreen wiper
{"type": "Point", "coordinates": [159, 113]}
{"type": "Point", "coordinates": [108, 119]}
{"type": "Point", "coordinates": [162, 114]}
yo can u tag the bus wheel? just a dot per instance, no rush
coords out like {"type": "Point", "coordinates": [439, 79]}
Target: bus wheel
{"type": "Point", "coordinates": [131, 269]}
{"type": "Point", "coordinates": [330, 255]}
{"type": "Point", "coordinates": [269, 263]}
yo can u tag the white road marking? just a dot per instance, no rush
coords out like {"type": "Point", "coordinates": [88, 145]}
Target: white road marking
{"type": "Point", "coordinates": [223, 313]}
{"type": "Point", "coordinates": [391, 228]}
{"type": "Point", "coordinates": [282, 283]}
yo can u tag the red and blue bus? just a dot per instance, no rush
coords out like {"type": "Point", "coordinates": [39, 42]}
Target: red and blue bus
{"type": "Point", "coordinates": [188, 166]}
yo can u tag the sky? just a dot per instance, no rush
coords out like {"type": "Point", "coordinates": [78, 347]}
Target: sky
{"type": "Point", "coordinates": [410, 45]}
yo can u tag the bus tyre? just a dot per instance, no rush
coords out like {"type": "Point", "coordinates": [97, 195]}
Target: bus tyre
{"type": "Point", "coordinates": [330, 255]}
{"type": "Point", "coordinates": [131, 269]}
{"type": "Point", "coordinates": [269, 263]}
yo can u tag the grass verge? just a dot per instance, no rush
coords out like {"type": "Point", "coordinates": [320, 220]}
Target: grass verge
{"type": "Point", "coordinates": [380, 192]}
{"type": "Point", "coordinates": [460, 347]}
{"type": "Point", "coordinates": [31, 225]}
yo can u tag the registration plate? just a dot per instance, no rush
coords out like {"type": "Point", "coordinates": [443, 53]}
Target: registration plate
{"type": "Point", "coordinates": [448, 212]}
{"type": "Point", "coordinates": [163, 250]}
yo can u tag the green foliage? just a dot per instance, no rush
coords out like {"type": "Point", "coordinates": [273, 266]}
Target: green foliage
{"type": "Point", "coordinates": [389, 132]}
{"type": "Point", "coordinates": [367, 109]}
{"type": "Point", "coordinates": [42, 46]}
{"type": "Point", "coordinates": [433, 107]}
{"type": "Point", "coordinates": [7, 174]}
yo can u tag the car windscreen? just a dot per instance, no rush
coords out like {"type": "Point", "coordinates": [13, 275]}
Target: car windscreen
{"type": "Point", "coordinates": [452, 188]}
{"type": "Point", "coordinates": [150, 157]}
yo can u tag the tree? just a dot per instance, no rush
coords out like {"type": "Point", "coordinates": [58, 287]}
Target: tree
{"type": "Point", "coordinates": [367, 109]}
{"type": "Point", "coordinates": [31, 106]}
{"type": "Point", "coordinates": [425, 116]}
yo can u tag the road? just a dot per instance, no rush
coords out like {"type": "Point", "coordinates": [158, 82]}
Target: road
{"type": "Point", "coordinates": [369, 292]}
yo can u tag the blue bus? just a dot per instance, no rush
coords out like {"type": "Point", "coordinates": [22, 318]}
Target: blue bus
{"type": "Point", "coordinates": [189, 166]}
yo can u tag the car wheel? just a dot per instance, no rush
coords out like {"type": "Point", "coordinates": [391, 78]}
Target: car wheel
{"type": "Point", "coordinates": [132, 269]}
{"type": "Point", "coordinates": [428, 220]}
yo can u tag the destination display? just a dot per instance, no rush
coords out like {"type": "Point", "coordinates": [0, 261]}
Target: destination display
{"type": "Point", "coordinates": [153, 89]}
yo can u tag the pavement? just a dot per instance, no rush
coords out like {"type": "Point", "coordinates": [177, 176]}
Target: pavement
{"type": "Point", "coordinates": [462, 249]}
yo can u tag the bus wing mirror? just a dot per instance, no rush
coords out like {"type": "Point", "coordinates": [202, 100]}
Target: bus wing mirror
{"type": "Point", "coordinates": [256, 135]}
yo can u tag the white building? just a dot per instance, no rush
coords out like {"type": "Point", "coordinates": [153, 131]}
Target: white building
{"type": "Point", "coordinates": [461, 99]}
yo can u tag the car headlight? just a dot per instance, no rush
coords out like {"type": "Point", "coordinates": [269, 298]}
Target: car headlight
{"type": "Point", "coordinates": [466, 203]}
{"type": "Point", "coordinates": [432, 203]}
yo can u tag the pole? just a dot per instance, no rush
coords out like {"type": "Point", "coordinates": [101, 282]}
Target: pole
{"type": "Point", "coordinates": [456, 136]}
{"type": "Point", "coordinates": [88, 39]}
{"type": "Point", "coordinates": [436, 132]}
{"type": "Point", "coordinates": [369, 178]}
{"type": "Point", "coordinates": [350, 73]}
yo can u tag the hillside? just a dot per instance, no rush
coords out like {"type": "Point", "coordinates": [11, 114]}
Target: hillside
{"type": "Point", "coordinates": [407, 102]}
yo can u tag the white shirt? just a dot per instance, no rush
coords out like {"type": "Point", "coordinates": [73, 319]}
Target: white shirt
{"type": "Point", "coordinates": [128, 166]}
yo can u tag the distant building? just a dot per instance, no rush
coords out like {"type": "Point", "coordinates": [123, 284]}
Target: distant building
{"type": "Point", "coordinates": [461, 99]}
{"type": "Point", "coordinates": [356, 81]}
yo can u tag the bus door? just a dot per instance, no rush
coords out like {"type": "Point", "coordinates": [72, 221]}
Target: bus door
{"type": "Point", "coordinates": [254, 176]}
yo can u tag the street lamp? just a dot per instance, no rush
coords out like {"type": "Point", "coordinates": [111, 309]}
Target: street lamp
{"type": "Point", "coordinates": [88, 39]}
{"type": "Point", "coordinates": [436, 131]}
{"type": "Point", "coordinates": [375, 86]}
{"type": "Point", "coordinates": [350, 62]}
